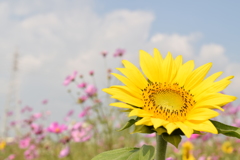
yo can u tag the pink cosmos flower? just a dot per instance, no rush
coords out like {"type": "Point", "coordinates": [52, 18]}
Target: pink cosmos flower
{"type": "Point", "coordinates": [48, 113]}
{"type": "Point", "coordinates": [65, 139]}
{"type": "Point", "coordinates": [214, 157]}
{"type": "Point", "coordinates": [45, 101]}
{"type": "Point", "coordinates": [80, 133]}
{"type": "Point", "coordinates": [70, 78]}
{"type": "Point", "coordinates": [82, 85]}
{"type": "Point", "coordinates": [82, 99]}
{"type": "Point", "coordinates": [202, 158]}
{"type": "Point", "coordinates": [194, 136]}
{"type": "Point", "coordinates": [24, 143]}
{"type": "Point", "coordinates": [56, 128]}
{"type": "Point", "coordinates": [97, 101]}
{"type": "Point", "coordinates": [64, 152]}
{"type": "Point", "coordinates": [37, 115]}
{"type": "Point", "coordinates": [91, 90]}
{"type": "Point", "coordinates": [31, 153]}
{"type": "Point", "coordinates": [26, 108]}
{"type": "Point", "coordinates": [40, 137]}
{"type": "Point", "coordinates": [169, 158]}
{"type": "Point", "coordinates": [11, 157]}
{"type": "Point", "coordinates": [70, 113]}
{"type": "Point", "coordinates": [236, 123]}
{"type": "Point", "coordinates": [206, 137]}
{"type": "Point", "coordinates": [104, 53]}
{"type": "Point", "coordinates": [13, 123]}
{"type": "Point", "coordinates": [140, 144]}
{"type": "Point", "coordinates": [37, 129]}
{"type": "Point", "coordinates": [84, 112]}
{"type": "Point", "coordinates": [119, 53]}
{"type": "Point", "coordinates": [91, 73]}
{"type": "Point", "coordinates": [233, 110]}
{"type": "Point", "coordinates": [151, 135]}
{"type": "Point", "coordinates": [9, 113]}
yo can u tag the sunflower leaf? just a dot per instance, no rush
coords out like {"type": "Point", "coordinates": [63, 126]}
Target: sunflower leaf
{"type": "Point", "coordinates": [142, 129]}
{"type": "Point", "coordinates": [160, 130]}
{"type": "Point", "coordinates": [128, 110]}
{"type": "Point", "coordinates": [227, 130]}
{"type": "Point", "coordinates": [128, 124]}
{"type": "Point", "coordinates": [146, 152]}
{"type": "Point", "coordinates": [173, 139]}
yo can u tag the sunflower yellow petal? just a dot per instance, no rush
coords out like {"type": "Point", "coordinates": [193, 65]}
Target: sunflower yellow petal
{"type": "Point", "coordinates": [134, 77]}
{"type": "Point", "coordinates": [159, 61]}
{"type": "Point", "coordinates": [128, 99]}
{"type": "Point", "coordinates": [157, 122]}
{"type": "Point", "coordinates": [210, 106]}
{"type": "Point", "coordinates": [214, 87]}
{"type": "Point", "coordinates": [110, 91]}
{"type": "Point", "coordinates": [127, 82]}
{"type": "Point", "coordinates": [140, 113]}
{"type": "Point", "coordinates": [202, 114]}
{"type": "Point", "coordinates": [149, 67]}
{"type": "Point", "coordinates": [215, 99]}
{"type": "Point", "coordinates": [169, 68]}
{"type": "Point", "coordinates": [188, 131]}
{"type": "Point", "coordinates": [178, 61]}
{"type": "Point", "coordinates": [205, 126]}
{"type": "Point", "coordinates": [197, 76]}
{"type": "Point", "coordinates": [220, 85]}
{"type": "Point", "coordinates": [135, 71]}
{"type": "Point", "coordinates": [185, 70]}
{"type": "Point", "coordinates": [157, 56]}
{"type": "Point", "coordinates": [170, 127]}
{"type": "Point", "coordinates": [144, 121]}
{"type": "Point", "coordinates": [205, 84]}
{"type": "Point", "coordinates": [128, 91]}
{"type": "Point", "coordinates": [121, 105]}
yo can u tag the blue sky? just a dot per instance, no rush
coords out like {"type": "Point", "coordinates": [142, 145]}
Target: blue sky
{"type": "Point", "coordinates": [218, 21]}
{"type": "Point", "coordinates": [56, 37]}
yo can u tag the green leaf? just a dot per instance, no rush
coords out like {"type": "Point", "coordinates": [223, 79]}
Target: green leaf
{"type": "Point", "coordinates": [160, 130]}
{"type": "Point", "coordinates": [146, 152]}
{"type": "Point", "coordinates": [173, 139]}
{"type": "Point", "coordinates": [128, 124]}
{"type": "Point", "coordinates": [128, 110]}
{"type": "Point", "coordinates": [226, 129]}
{"type": "Point", "coordinates": [142, 129]}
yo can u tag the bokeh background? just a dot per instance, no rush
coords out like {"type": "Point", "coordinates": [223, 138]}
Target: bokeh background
{"type": "Point", "coordinates": [56, 37]}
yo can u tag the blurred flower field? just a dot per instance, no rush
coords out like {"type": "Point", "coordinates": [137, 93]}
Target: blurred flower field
{"type": "Point", "coordinates": [96, 128]}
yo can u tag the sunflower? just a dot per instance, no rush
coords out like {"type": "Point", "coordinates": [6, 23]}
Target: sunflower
{"type": "Point", "coordinates": [187, 151]}
{"type": "Point", "coordinates": [170, 93]}
{"type": "Point", "coordinates": [227, 147]}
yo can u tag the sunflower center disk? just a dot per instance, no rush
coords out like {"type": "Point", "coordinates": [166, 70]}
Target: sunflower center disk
{"type": "Point", "coordinates": [167, 101]}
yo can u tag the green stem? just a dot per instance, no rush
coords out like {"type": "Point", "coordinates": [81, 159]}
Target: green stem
{"type": "Point", "coordinates": [161, 148]}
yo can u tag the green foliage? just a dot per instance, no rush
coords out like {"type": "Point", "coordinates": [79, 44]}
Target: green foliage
{"type": "Point", "coordinates": [173, 139]}
{"type": "Point", "coordinates": [161, 130]}
{"type": "Point", "coordinates": [227, 130]}
{"type": "Point", "coordinates": [128, 124]}
{"type": "Point", "coordinates": [143, 129]}
{"type": "Point", "coordinates": [146, 152]}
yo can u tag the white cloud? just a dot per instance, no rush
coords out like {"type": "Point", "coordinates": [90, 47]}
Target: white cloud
{"type": "Point", "coordinates": [54, 41]}
{"type": "Point", "coordinates": [213, 53]}
{"type": "Point", "coordinates": [234, 87]}
{"type": "Point", "coordinates": [30, 63]}
{"type": "Point", "coordinates": [175, 43]}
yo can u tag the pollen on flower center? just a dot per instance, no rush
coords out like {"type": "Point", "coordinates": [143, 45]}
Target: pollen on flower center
{"type": "Point", "coordinates": [167, 101]}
